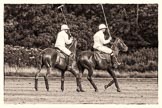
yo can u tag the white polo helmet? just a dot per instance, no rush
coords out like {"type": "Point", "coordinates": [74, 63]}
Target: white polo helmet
{"type": "Point", "coordinates": [102, 26]}
{"type": "Point", "coordinates": [64, 27]}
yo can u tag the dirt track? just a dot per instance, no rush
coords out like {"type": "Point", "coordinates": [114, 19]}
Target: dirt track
{"type": "Point", "coordinates": [134, 91]}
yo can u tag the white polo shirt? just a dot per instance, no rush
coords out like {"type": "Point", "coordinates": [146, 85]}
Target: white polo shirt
{"type": "Point", "coordinates": [62, 39]}
{"type": "Point", "coordinates": [99, 39]}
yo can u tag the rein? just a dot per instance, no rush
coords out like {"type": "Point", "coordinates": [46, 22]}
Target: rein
{"type": "Point", "coordinates": [72, 47]}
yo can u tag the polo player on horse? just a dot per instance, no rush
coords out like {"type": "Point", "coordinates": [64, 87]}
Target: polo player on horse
{"type": "Point", "coordinates": [99, 41]}
{"type": "Point", "coordinates": [62, 40]}
{"type": "Point", "coordinates": [53, 58]}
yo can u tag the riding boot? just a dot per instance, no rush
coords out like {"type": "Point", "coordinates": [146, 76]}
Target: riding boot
{"type": "Point", "coordinates": [114, 61]}
{"type": "Point", "coordinates": [70, 62]}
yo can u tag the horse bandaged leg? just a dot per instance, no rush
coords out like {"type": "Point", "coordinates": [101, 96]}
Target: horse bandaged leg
{"type": "Point", "coordinates": [62, 80]}
{"type": "Point", "coordinates": [115, 80]}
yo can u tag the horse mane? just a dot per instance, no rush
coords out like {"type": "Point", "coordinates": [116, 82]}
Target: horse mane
{"type": "Point", "coordinates": [72, 46]}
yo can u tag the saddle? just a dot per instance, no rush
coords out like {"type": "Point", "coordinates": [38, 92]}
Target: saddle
{"type": "Point", "coordinates": [98, 55]}
{"type": "Point", "coordinates": [61, 56]}
{"type": "Point", "coordinates": [61, 53]}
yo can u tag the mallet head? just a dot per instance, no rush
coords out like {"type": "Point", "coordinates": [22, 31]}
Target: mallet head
{"type": "Point", "coordinates": [60, 6]}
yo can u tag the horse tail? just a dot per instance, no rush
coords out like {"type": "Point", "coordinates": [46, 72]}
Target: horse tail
{"type": "Point", "coordinates": [47, 60]}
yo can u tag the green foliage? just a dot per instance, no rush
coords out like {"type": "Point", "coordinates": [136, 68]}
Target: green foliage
{"type": "Point", "coordinates": [20, 56]}
{"type": "Point", "coordinates": [145, 59]}
{"type": "Point", "coordinates": [37, 25]}
{"type": "Point", "coordinates": [142, 60]}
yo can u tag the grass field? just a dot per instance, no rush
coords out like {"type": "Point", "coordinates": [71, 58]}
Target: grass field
{"type": "Point", "coordinates": [137, 88]}
{"type": "Point", "coordinates": [20, 90]}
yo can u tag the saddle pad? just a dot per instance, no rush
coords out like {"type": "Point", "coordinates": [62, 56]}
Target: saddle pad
{"type": "Point", "coordinates": [61, 57]}
{"type": "Point", "coordinates": [100, 55]}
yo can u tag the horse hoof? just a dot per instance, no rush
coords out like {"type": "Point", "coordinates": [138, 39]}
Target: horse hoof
{"type": "Point", "coordinates": [78, 90]}
{"type": "Point", "coordinates": [105, 86]}
{"type": "Point", "coordinates": [82, 91]}
{"type": "Point", "coordinates": [36, 89]}
{"type": "Point", "coordinates": [96, 90]}
{"type": "Point", "coordinates": [47, 89]}
{"type": "Point", "coordinates": [118, 90]}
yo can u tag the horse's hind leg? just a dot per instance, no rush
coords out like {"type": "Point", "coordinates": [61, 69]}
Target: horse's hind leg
{"type": "Point", "coordinates": [46, 78]}
{"type": "Point", "coordinates": [62, 80]}
{"type": "Point", "coordinates": [90, 72]}
{"type": "Point", "coordinates": [36, 77]}
{"type": "Point", "coordinates": [113, 81]}
{"type": "Point", "coordinates": [81, 70]}
{"type": "Point", "coordinates": [110, 83]}
{"type": "Point", "coordinates": [80, 89]}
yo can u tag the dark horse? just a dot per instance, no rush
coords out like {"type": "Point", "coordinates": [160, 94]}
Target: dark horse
{"type": "Point", "coordinates": [51, 57]}
{"type": "Point", "coordinates": [87, 60]}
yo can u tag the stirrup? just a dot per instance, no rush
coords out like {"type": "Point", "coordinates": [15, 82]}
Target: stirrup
{"type": "Point", "coordinates": [69, 67]}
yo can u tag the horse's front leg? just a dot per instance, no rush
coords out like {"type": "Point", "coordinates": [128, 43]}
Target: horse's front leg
{"type": "Point", "coordinates": [62, 80]}
{"type": "Point", "coordinates": [113, 81]}
{"type": "Point", "coordinates": [78, 80]}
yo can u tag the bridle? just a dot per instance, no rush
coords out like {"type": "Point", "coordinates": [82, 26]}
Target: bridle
{"type": "Point", "coordinates": [115, 43]}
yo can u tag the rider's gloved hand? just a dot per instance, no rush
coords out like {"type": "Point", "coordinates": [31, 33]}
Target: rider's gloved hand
{"type": "Point", "coordinates": [71, 38]}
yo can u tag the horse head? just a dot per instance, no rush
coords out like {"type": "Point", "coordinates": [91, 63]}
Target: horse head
{"type": "Point", "coordinates": [119, 45]}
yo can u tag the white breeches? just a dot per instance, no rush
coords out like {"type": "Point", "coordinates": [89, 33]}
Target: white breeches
{"type": "Point", "coordinates": [65, 50]}
{"type": "Point", "coordinates": [105, 49]}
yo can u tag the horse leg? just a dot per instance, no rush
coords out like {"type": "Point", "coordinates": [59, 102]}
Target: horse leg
{"type": "Point", "coordinates": [62, 80]}
{"type": "Point", "coordinates": [46, 78]}
{"type": "Point", "coordinates": [81, 70]}
{"type": "Point", "coordinates": [114, 80]}
{"type": "Point", "coordinates": [90, 73]}
{"type": "Point", "coordinates": [110, 83]}
{"type": "Point", "coordinates": [36, 77]}
{"type": "Point", "coordinates": [79, 87]}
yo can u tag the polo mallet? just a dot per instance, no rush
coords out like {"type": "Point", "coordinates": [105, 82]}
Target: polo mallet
{"type": "Point", "coordinates": [105, 20]}
{"type": "Point", "coordinates": [61, 8]}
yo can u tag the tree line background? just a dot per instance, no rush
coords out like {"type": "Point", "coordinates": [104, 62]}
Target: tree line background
{"type": "Point", "coordinates": [36, 26]}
